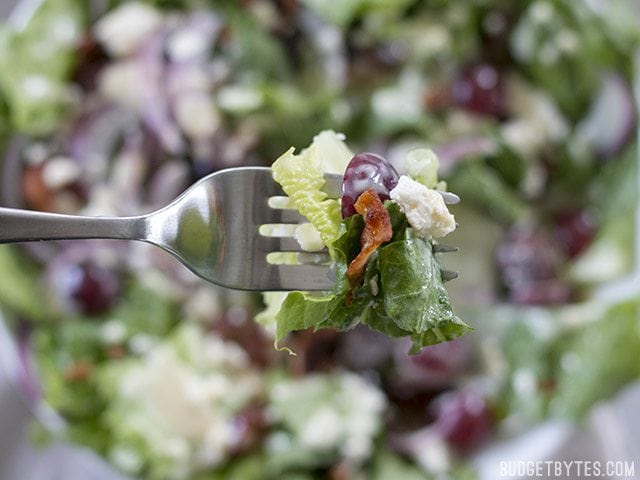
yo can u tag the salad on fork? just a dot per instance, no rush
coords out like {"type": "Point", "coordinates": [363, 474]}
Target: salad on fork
{"type": "Point", "coordinates": [382, 238]}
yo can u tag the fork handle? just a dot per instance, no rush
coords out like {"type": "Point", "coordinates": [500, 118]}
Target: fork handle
{"type": "Point", "coordinates": [29, 226]}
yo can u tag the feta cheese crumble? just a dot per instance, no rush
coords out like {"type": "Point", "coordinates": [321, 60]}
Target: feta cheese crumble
{"type": "Point", "coordinates": [179, 401]}
{"type": "Point", "coordinates": [126, 27]}
{"type": "Point", "coordinates": [309, 238]}
{"type": "Point", "coordinates": [424, 208]}
{"type": "Point", "coordinates": [325, 416]}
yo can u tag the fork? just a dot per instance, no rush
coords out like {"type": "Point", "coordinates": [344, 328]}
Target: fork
{"type": "Point", "coordinates": [213, 228]}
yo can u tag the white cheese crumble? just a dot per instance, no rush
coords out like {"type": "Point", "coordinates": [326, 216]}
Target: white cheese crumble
{"type": "Point", "coordinates": [424, 208]}
{"type": "Point", "coordinates": [308, 237]}
{"type": "Point", "coordinates": [430, 450]}
{"type": "Point", "coordinates": [125, 28]}
{"type": "Point", "coordinates": [59, 172]}
{"type": "Point", "coordinates": [37, 86]}
{"type": "Point", "coordinates": [322, 430]}
{"type": "Point", "coordinates": [180, 399]}
{"type": "Point", "coordinates": [119, 82]}
{"type": "Point", "coordinates": [536, 119]}
{"type": "Point", "coordinates": [400, 103]}
{"type": "Point", "coordinates": [239, 98]}
{"type": "Point", "coordinates": [326, 413]}
{"type": "Point", "coordinates": [204, 304]}
{"type": "Point", "coordinates": [187, 44]}
{"type": "Point", "coordinates": [113, 331]}
{"type": "Point", "coordinates": [196, 114]}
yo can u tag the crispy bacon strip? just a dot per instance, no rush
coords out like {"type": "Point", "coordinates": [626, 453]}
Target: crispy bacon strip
{"type": "Point", "coordinates": [377, 230]}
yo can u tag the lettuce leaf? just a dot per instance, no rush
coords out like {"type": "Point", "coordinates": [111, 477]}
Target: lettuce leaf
{"type": "Point", "coordinates": [35, 64]}
{"type": "Point", "coordinates": [402, 294]}
{"type": "Point", "coordinates": [343, 12]}
{"type": "Point", "coordinates": [19, 285]}
{"type": "Point", "coordinates": [600, 360]}
{"type": "Point", "coordinates": [414, 293]}
{"type": "Point", "coordinates": [302, 181]}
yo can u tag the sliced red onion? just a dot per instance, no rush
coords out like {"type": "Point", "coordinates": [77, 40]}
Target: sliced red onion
{"type": "Point", "coordinates": [96, 135]}
{"type": "Point", "coordinates": [27, 376]}
{"type": "Point", "coordinates": [60, 274]}
{"type": "Point", "coordinates": [168, 182]}
{"type": "Point", "coordinates": [453, 153]}
{"type": "Point", "coordinates": [611, 121]}
{"type": "Point", "coordinates": [193, 40]}
{"type": "Point", "coordinates": [156, 111]}
{"type": "Point", "coordinates": [128, 175]}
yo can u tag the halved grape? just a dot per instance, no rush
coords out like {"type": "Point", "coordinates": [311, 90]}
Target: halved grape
{"type": "Point", "coordinates": [435, 368]}
{"type": "Point", "coordinates": [529, 263]}
{"type": "Point", "coordinates": [464, 419]}
{"type": "Point", "coordinates": [88, 288]}
{"type": "Point", "coordinates": [366, 171]}
{"type": "Point", "coordinates": [575, 230]}
{"type": "Point", "coordinates": [480, 89]}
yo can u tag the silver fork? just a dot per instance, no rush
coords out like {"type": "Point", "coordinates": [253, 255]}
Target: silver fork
{"type": "Point", "coordinates": [213, 228]}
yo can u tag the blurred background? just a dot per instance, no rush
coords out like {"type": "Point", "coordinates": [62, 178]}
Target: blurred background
{"type": "Point", "coordinates": [116, 362]}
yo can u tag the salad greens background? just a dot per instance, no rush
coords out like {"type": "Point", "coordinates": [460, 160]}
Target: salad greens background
{"type": "Point", "coordinates": [541, 148]}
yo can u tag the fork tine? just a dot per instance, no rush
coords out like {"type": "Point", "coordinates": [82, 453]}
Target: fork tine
{"type": "Point", "coordinates": [438, 248]}
{"type": "Point", "coordinates": [315, 258]}
{"type": "Point", "coordinates": [297, 277]}
{"type": "Point", "coordinates": [279, 244]}
{"type": "Point", "coordinates": [282, 215]}
{"type": "Point", "coordinates": [448, 275]}
{"type": "Point", "coordinates": [265, 185]}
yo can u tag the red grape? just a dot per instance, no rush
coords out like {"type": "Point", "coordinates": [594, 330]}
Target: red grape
{"type": "Point", "coordinates": [479, 89]}
{"type": "Point", "coordinates": [575, 230]}
{"type": "Point", "coordinates": [435, 367]}
{"type": "Point", "coordinates": [88, 288]}
{"type": "Point", "coordinates": [527, 255]}
{"type": "Point", "coordinates": [529, 264]}
{"type": "Point", "coordinates": [464, 419]}
{"type": "Point", "coordinates": [366, 171]}
{"type": "Point", "coordinates": [547, 292]}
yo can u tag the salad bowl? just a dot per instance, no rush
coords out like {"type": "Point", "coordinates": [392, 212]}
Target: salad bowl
{"type": "Point", "coordinates": [531, 112]}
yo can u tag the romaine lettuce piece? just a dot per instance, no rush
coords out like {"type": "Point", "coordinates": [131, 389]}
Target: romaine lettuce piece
{"type": "Point", "coordinates": [414, 294]}
{"type": "Point", "coordinates": [301, 177]}
{"type": "Point", "coordinates": [402, 293]}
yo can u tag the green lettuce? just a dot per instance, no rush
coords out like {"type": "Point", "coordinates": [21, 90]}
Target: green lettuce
{"type": "Point", "coordinates": [35, 64]}
{"type": "Point", "coordinates": [402, 294]}
{"type": "Point", "coordinates": [343, 12]}
{"type": "Point", "coordinates": [302, 180]}
{"type": "Point", "coordinates": [19, 285]}
{"type": "Point", "coordinates": [599, 361]}
{"type": "Point", "coordinates": [414, 294]}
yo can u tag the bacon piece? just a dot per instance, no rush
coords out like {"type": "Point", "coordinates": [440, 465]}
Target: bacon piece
{"type": "Point", "coordinates": [376, 231]}
{"type": "Point", "coordinates": [77, 372]}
